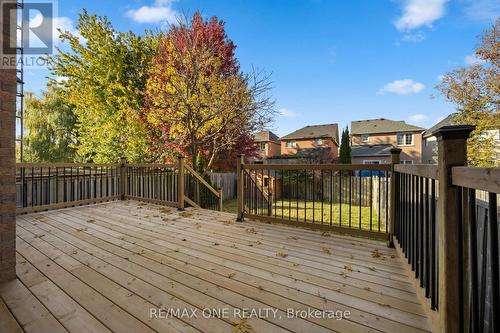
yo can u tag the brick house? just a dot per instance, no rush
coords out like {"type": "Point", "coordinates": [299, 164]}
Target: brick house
{"type": "Point", "coordinates": [7, 169]}
{"type": "Point", "coordinates": [316, 141]}
{"type": "Point", "coordinates": [268, 145]}
{"type": "Point", "coordinates": [371, 141]}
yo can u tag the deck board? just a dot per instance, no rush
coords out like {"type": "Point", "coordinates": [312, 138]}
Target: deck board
{"type": "Point", "coordinates": [111, 263]}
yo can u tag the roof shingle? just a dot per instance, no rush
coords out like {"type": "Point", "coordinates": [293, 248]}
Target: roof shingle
{"type": "Point", "coordinates": [371, 150]}
{"type": "Point", "coordinates": [315, 131]}
{"type": "Point", "coordinates": [450, 120]}
{"type": "Point", "coordinates": [374, 126]}
{"type": "Point", "coordinates": [265, 136]}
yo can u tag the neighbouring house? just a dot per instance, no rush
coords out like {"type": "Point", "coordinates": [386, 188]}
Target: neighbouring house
{"type": "Point", "coordinates": [429, 143]}
{"type": "Point", "coordinates": [316, 142]}
{"type": "Point", "coordinates": [268, 145]}
{"type": "Point", "coordinates": [372, 140]}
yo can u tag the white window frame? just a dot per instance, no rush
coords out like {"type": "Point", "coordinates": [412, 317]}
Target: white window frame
{"type": "Point", "coordinates": [263, 146]}
{"type": "Point", "coordinates": [365, 136]}
{"type": "Point", "coordinates": [372, 162]}
{"type": "Point", "coordinates": [318, 141]}
{"type": "Point", "coordinates": [407, 162]}
{"type": "Point", "coordinates": [290, 144]}
{"type": "Point", "coordinates": [405, 137]}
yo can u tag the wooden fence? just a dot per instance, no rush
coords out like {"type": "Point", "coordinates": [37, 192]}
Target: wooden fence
{"type": "Point", "coordinates": [226, 181]}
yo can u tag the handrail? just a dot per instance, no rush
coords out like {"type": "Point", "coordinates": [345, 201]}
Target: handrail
{"type": "Point", "coordinates": [485, 179]}
{"type": "Point", "coordinates": [64, 165]}
{"type": "Point", "coordinates": [421, 170]}
{"type": "Point", "coordinates": [333, 167]}
{"type": "Point", "coordinates": [152, 165]}
{"type": "Point", "coordinates": [203, 181]}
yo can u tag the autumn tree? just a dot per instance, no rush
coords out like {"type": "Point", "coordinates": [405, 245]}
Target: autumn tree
{"type": "Point", "coordinates": [475, 90]}
{"type": "Point", "coordinates": [345, 147]}
{"type": "Point", "coordinates": [49, 124]}
{"type": "Point", "coordinates": [103, 75]}
{"type": "Point", "coordinates": [198, 100]}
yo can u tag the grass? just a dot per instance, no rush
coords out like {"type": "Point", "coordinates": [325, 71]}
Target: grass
{"type": "Point", "coordinates": [230, 206]}
{"type": "Point", "coordinates": [313, 211]}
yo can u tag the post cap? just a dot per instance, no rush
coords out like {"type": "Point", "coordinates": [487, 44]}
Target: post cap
{"type": "Point", "coordinates": [180, 156]}
{"type": "Point", "coordinates": [395, 150]}
{"type": "Point", "coordinates": [453, 132]}
{"type": "Point", "coordinates": [240, 155]}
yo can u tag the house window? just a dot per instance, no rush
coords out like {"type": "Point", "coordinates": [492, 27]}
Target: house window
{"type": "Point", "coordinates": [290, 144]}
{"type": "Point", "coordinates": [262, 146]}
{"type": "Point", "coordinates": [407, 162]}
{"type": "Point", "coordinates": [318, 142]}
{"type": "Point", "coordinates": [365, 138]}
{"type": "Point", "coordinates": [371, 161]}
{"type": "Point", "coordinates": [405, 139]}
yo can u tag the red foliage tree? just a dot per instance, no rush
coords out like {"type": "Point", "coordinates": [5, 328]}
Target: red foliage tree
{"type": "Point", "coordinates": [198, 101]}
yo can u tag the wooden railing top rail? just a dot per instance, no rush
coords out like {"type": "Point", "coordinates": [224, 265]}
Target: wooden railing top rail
{"type": "Point", "coordinates": [152, 165]}
{"type": "Point", "coordinates": [333, 167]}
{"type": "Point", "coordinates": [64, 165]}
{"type": "Point", "coordinates": [203, 181]}
{"type": "Point", "coordinates": [421, 170]}
{"type": "Point", "coordinates": [485, 179]}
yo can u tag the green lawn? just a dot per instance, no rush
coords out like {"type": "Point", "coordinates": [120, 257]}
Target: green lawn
{"type": "Point", "coordinates": [306, 209]}
{"type": "Point", "coordinates": [230, 206]}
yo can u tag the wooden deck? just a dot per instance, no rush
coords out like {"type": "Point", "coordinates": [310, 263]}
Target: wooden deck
{"type": "Point", "coordinates": [110, 267]}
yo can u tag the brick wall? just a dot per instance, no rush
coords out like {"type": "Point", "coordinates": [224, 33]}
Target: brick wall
{"type": "Point", "coordinates": [7, 173]}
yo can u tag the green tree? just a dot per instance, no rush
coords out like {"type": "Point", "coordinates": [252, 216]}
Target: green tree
{"type": "Point", "coordinates": [105, 73]}
{"type": "Point", "coordinates": [345, 147]}
{"type": "Point", "coordinates": [475, 90]}
{"type": "Point", "coordinates": [49, 124]}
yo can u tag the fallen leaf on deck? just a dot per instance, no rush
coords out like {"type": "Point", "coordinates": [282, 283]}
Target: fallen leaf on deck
{"type": "Point", "coordinates": [242, 327]}
{"type": "Point", "coordinates": [326, 250]}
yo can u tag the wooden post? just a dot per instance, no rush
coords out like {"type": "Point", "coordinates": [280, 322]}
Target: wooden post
{"type": "Point", "coordinates": [452, 151]}
{"type": "Point", "coordinates": [180, 184]}
{"type": "Point", "coordinates": [395, 159]}
{"type": "Point", "coordinates": [239, 192]}
{"type": "Point", "coordinates": [123, 177]}
{"type": "Point", "coordinates": [220, 200]}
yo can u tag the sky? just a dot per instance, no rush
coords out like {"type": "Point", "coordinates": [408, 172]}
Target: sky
{"type": "Point", "coordinates": [331, 61]}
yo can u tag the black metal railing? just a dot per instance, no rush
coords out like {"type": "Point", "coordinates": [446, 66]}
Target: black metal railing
{"type": "Point", "coordinates": [154, 182]}
{"type": "Point", "coordinates": [55, 185]}
{"type": "Point", "coordinates": [199, 192]}
{"type": "Point", "coordinates": [415, 226]}
{"type": "Point", "coordinates": [343, 197]}
{"type": "Point", "coordinates": [44, 186]}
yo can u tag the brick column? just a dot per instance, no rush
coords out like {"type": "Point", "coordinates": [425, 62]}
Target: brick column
{"type": "Point", "coordinates": [7, 171]}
